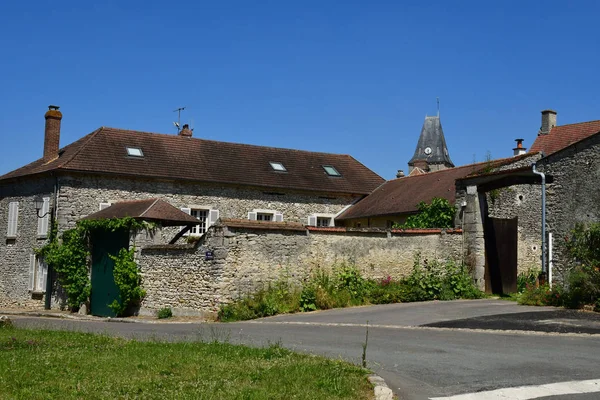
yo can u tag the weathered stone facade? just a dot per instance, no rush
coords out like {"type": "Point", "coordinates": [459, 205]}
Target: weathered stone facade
{"type": "Point", "coordinates": [574, 195]}
{"type": "Point", "coordinates": [79, 195]}
{"type": "Point", "coordinates": [246, 259]}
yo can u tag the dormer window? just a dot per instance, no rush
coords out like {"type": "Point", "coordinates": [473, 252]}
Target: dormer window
{"type": "Point", "coordinates": [331, 171]}
{"type": "Point", "coordinates": [277, 166]}
{"type": "Point", "coordinates": [134, 152]}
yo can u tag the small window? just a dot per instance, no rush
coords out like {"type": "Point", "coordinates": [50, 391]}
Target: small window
{"type": "Point", "coordinates": [323, 221]}
{"type": "Point", "coordinates": [202, 216]}
{"type": "Point", "coordinates": [264, 217]}
{"type": "Point", "coordinates": [277, 166]}
{"type": "Point", "coordinates": [134, 152]}
{"type": "Point", "coordinates": [331, 171]}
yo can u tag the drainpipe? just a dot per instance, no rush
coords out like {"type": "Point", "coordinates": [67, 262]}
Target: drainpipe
{"type": "Point", "coordinates": [53, 216]}
{"type": "Point", "coordinates": [544, 271]}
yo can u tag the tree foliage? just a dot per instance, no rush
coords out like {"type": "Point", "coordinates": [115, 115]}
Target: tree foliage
{"type": "Point", "coordinates": [437, 214]}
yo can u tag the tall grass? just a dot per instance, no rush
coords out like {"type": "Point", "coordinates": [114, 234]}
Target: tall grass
{"type": "Point", "coordinates": [344, 286]}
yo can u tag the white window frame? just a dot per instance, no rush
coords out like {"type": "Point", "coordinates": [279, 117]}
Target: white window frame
{"type": "Point", "coordinates": [255, 214]}
{"type": "Point", "coordinates": [13, 220]}
{"type": "Point", "coordinates": [212, 215]}
{"type": "Point", "coordinates": [313, 220]}
{"type": "Point", "coordinates": [42, 230]}
{"type": "Point", "coordinates": [38, 274]}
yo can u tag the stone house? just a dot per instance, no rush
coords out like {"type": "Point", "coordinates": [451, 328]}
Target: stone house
{"type": "Point", "coordinates": [210, 180]}
{"type": "Point", "coordinates": [568, 156]}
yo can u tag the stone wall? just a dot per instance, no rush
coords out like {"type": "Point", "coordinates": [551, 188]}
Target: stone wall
{"type": "Point", "coordinates": [574, 195]}
{"type": "Point", "coordinates": [15, 253]}
{"type": "Point", "coordinates": [246, 259]}
{"type": "Point", "coordinates": [79, 195]}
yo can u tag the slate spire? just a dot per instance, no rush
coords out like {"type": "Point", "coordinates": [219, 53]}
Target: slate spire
{"type": "Point", "coordinates": [431, 153]}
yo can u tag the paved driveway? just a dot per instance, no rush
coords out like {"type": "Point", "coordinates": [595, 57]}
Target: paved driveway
{"type": "Point", "coordinates": [423, 350]}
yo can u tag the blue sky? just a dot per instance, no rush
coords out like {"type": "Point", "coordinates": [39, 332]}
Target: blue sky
{"type": "Point", "coordinates": [355, 77]}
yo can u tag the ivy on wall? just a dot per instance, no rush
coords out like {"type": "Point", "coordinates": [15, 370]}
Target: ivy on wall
{"type": "Point", "coordinates": [70, 258]}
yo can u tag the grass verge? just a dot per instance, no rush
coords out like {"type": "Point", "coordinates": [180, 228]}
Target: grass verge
{"type": "Point", "coordinates": [36, 364]}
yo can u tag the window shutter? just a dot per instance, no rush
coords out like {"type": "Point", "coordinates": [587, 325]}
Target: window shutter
{"type": "Point", "coordinates": [312, 220]}
{"type": "Point", "coordinates": [213, 216]}
{"type": "Point", "coordinates": [13, 219]}
{"type": "Point", "coordinates": [252, 216]}
{"type": "Point", "coordinates": [43, 272]}
{"type": "Point", "coordinates": [186, 210]}
{"type": "Point", "coordinates": [43, 222]}
{"type": "Point", "coordinates": [278, 217]}
{"type": "Point", "coordinates": [331, 221]}
{"type": "Point", "coordinates": [31, 271]}
{"type": "Point", "coordinates": [104, 205]}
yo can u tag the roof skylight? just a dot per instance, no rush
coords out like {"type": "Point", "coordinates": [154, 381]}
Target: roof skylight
{"type": "Point", "coordinates": [331, 171]}
{"type": "Point", "coordinates": [134, 152]}
{"type": "Point", "coordinates": [277, 166]}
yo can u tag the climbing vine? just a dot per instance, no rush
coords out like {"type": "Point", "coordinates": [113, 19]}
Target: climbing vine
{"type": "Point", "coordinates": [70, 257]}
{"type": "Point", "coordinates": [128, 280]}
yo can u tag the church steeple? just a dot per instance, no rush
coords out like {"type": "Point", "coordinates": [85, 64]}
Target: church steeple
{"type": "Point", "coordinates": [431, 153]}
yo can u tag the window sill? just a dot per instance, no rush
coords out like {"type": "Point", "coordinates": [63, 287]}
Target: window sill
{"type": "Point", "coordinates": [42, 237]}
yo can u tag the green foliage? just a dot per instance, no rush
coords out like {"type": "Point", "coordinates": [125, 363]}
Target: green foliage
{"type": "Point", "coordinates": [345, 286]}
{"type": "Point", "coordinates": [165, 312]}
{"type": "Point", "coordinates": [128, 280]}
{"type": "Point", "coordinates": [582, 282]}
{"type": "Point", "coordinates": [541, 295]}
{"type": "Point", "coordinates": [527, 278]}
{"type": "Point", "coordinates": [69, 256]}
{"type": "Point", "coordinates": [437, 214]}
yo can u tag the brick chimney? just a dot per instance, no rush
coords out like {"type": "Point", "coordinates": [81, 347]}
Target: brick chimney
{"type": "Point", "coordinates": [548, 121]}
{"type": "Point", "coordinates": [52, 133]}
{"type": "Point", "coordinates": [185, 131]}
{"type": "Point", "coordinates": [517, 151]}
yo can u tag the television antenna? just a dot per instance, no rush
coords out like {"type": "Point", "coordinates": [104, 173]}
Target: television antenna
{"type": "Point", "coordinates": [178, 123]}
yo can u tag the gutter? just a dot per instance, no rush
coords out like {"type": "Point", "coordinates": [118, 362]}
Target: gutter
{"type": "Point", "coordinates": [53, 218]}
{"type": "Point", "coordinates": [543, 176]}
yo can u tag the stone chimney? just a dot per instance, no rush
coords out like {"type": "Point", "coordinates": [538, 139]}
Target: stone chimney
{"type": "Point", "coordinates": [52, 133]}
{"type": "Point", "coordinates": [517, 151]}
{"type": "Point", "coordinates": [548, 121]}
{"type": "Point", "coordinates": [185, 131]}
{"type": "Point", "coordinates": [400, 174]}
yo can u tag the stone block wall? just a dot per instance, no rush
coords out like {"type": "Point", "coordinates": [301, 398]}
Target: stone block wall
{"type": "Point", "coordinates": [15, 253]}
{"type": "Point", "coordinates": [246, 259]}
{"type": "Point", "coordinates": [574, 196]}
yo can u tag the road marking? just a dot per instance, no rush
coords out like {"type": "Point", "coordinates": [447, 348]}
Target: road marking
{"type": "Point", "coordinates": [530, 392]}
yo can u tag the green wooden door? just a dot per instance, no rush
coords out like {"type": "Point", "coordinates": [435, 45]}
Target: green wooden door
{"type": "Point", "coordinates": [104, 289]}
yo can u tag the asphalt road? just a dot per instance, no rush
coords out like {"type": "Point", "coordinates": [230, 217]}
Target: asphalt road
{"type": "Point", "coordinates": [422, 350]}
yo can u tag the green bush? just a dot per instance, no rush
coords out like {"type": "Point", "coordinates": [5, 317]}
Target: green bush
{"type": "Point", "coordinates": [527, 278]}
{"type": "Point", "coordinates": [345, 286]}
{"type": "Point", "coordinates": [541, 295]}
{"type": "Point", "coordinates": [164, 312]}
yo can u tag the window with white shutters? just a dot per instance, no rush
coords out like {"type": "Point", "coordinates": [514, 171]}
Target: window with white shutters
{"type": "Point", "coordinates": [13, 219]}
{"type": "Point", "coordinates": [265, 215]}
{"type": "Point", "coordinates": [207, 218]}
{"type": "Point", "coordinates": [38, 274]}
{"type": "Point", "coordinates": [44, 221]}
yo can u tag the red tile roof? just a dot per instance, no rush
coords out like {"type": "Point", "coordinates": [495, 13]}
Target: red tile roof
{"type": "Point", "coordinates": [152, 210]}
{"type": "Point", "coordinates": [563, 136]}
{"type": "Point", "coordinates": [176, 157]}
{"type": "Point", "coordinates": [402, 195]}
